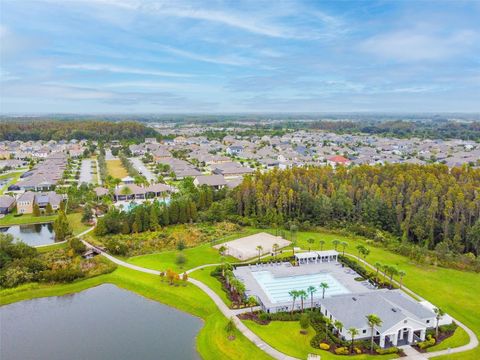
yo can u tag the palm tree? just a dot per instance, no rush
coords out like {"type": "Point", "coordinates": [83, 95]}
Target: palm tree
{"type": "Point", "coordinates": [322, 242]}
{"type": "Point", "coordinates": [328, 322]}
{"type": "Point", "coordinates": [310, 241]}
{"type": "Point", "coordinates": [393, 272]}
{"type": "Point", "coordinates": [251, 301]}
{"type": "Point", "coordinates": [294, 295]}
{"type": "Point", "coordinates": [352, 332]}
{"type": "Point", "coordinates": [401, 274]}
{"type": "Point", "coordinates": [344, 246]}
{"type": "Point", "coordinates": [338, 325]}
{"type": "Point", "coordinates": [373, 320]}
{"type": "Point", "coordinates": [335, 244]}
{"type": "Point", "coordinates": [377, 266]}
{"type": "Point", "coordinates": [311, 289]}
{"type": "Point", "coordinates": [275, 248]}
{"type": "Point", "coordinates": [385, 270]}
{"type": "Point", "coordinates": [324, 286]}
{"type": "Point", "coordinates": [302, 294]}
{"type": "Point", "coordinates": [259, 249]}
{"type": "Point", "coordinates": [439, 313]}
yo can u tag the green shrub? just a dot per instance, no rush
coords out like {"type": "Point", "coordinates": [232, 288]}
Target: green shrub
{"type": "Point", "coordinates": [264, 317]}
{"type": "Point", "coordinates": [391, 350]}
{"type": "Point", "coordinates": [342, 351]}
{"type": "Point", "coordinates": [430, 341]}
{"type": "Point", "coordinates": [304, 321]}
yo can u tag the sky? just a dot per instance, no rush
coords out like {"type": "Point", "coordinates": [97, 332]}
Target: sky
{"type": "Point", "coordinates": [133, 56]}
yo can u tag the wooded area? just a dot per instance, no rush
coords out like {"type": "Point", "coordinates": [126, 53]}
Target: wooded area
{"type": "Point", "coordinates": [68, 130]}
{"type": "Point", "coordinates": [432, 206]}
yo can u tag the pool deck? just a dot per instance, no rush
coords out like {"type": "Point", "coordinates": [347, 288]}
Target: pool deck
{"type": "Point", "coordinates": [344, 275]}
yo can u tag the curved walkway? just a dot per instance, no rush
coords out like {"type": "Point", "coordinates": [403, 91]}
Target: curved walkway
{"type": "Point", "coordinates": [229, 314]}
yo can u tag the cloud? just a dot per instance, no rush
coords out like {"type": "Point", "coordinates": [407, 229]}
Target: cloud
{"type": "Point", "coordinates": [415, 45]}
{"type": "Point", "coordinates": [121, 69]}
{"type": "Point", "coordinates": [224, 60]}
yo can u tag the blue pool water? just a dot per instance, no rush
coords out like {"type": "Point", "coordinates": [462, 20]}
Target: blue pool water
{"type": "Point", "coordinates": [277, 288]}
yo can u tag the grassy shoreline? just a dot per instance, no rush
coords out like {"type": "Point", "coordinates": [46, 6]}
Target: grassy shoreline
{"type": "Point", "coordinates": [211, 342]}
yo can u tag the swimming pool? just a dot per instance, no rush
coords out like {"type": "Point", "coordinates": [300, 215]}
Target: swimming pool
{"type": "Point", "coordinates": [277, 288]}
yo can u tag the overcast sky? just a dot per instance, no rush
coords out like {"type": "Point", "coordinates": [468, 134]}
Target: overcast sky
{"type": "Point", "coordinates": [126, 56]}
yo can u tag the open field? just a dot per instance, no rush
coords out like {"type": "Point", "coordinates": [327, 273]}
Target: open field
{"type": "Point", "coordinates": [203, 254]}
{"type": "Point", "coordinates": [116, 169]}
{"type": "Point", "coordinates": [212, 342]}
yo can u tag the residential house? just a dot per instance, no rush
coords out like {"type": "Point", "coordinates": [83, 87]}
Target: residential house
{"type": "Point", "coordinates": [215, 181]}
{"type": "Point", "coordinates": [7, 203]}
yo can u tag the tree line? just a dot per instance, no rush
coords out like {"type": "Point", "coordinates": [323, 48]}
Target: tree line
{"type": "Point", "coordinates": [431, 206]}
{"type": "Point", "coordinates": [442, 129]}
{"type": "Point", "coordinates": [75, 129]}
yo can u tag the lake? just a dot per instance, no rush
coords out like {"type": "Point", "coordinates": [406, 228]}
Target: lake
{"type": "Point", "coordinates": [104, 323]}
{"type": "Point", "coordinates": [34, 235]}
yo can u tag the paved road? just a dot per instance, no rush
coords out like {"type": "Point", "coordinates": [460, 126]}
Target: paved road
{"type": "Point", "coordinates": [142, 169]}
{"type": "Point", "coordinates": [86, 172]}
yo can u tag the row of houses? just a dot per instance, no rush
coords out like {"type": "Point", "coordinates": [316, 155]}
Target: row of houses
{"type": "Point", "coordinates": [128, 192]}
{"type": "Point", "coordinates": [26, 202]}
{"type": "Point", "coordinates": [44, 176]}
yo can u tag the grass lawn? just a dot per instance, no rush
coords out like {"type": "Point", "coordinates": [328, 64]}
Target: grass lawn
{"type": "Point", "coordinates": [47, 248]}
{"type": "Point", "coordinates": [25, 219]}
{"type": "Point", "coordinates": [75, 220]}
{"type": "Point", "coordinates": [14, 177]}
{"type": "Point", "coordinates": [212, 342]}
{"type": "Point", "coordinates": [204, 276]}
{"type": "Point", "coordinates": [203, 254]}
{"type": "Point", "coordinates": [459, 338]}
{"type": "Point", "coordinates": [285, 336]}
{"type": "Point", "coordinates": [116, 169]}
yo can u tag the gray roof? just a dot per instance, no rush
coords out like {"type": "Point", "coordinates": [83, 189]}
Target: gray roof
{"type": "Point", "coordinates": [211, 180]}
{"type": "Point", "coordinates": [6, 201]}
{"type": "Point", "coordinates": [27, 196]}
{"type": "Point", "coordinates": [391, 306]}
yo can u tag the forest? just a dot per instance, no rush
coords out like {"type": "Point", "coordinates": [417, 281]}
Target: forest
{"type": "Point", "coordinates": [443, 129]}
{"type": "Point", "coordinates": [71, 129]}
{"type": "Point", "coordinates": [431, 206]}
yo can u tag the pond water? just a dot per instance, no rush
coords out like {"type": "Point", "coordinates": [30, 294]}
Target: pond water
{"type": "Point", "coordinates": [100, 323]}
{"type": "Point", "coordinates": [34, 235]}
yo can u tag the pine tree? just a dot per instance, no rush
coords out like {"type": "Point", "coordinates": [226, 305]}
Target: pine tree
{"type": "Point", "coordinates": [61, 226]}
{"type": "Point", "coordinates": [36, 210]}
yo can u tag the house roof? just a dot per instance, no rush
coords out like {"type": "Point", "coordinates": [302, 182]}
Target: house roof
{"type": "Point", "coordinates": [391, 306]}
{"type": "Point", "coordinates": [211, 180]}
{"type": "Point", "coordinates": [6, 201]}
{"type": "Point", "coordinates": [338, 159]}
{"type": "Point", "coordinates": [27, 196]}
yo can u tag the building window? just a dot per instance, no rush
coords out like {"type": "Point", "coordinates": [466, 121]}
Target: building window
{"type": "Point", "coordinates": [428, 321]}
{"type": "Point", "coordinates": [364, 331]}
